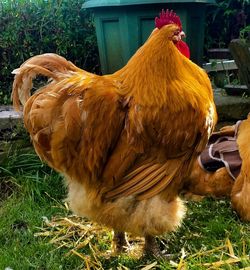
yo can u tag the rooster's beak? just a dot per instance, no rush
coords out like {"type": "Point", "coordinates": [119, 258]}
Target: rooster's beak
{"type": "Point", "coordinates": [178, 36]}
{"type": "Point", "coordinates": [182, 34]}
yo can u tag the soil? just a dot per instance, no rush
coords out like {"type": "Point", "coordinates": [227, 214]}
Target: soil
{"type": "Point", "coordinates": [7, 188]}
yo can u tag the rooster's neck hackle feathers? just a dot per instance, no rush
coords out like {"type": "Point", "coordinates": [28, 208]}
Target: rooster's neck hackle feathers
{"type": "Point", "coordinates": [158, 72]}
{"type": "Point", "coordinates": [153, 66]}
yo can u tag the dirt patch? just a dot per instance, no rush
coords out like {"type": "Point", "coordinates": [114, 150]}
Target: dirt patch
{"type": "Point", "coordinates": [7, 188]}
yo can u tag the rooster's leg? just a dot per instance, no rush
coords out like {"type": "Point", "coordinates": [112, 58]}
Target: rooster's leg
{"type": "Point", "coordinates": [120, 243]}
{"type": "Point", "coordinates": [151, 247]}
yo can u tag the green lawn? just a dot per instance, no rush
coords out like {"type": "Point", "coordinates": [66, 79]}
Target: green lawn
{"type": "Point", "coordinates": [37, 231]}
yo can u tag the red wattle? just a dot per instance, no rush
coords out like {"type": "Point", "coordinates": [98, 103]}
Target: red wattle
{"type": "Point", "coordinates": [183, 48]}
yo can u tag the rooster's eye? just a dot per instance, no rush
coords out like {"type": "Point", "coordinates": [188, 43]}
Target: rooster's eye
{"type": "Point", "coordinates": [177, 33]}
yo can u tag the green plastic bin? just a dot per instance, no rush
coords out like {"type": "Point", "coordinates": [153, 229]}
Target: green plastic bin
{"type": "Point", "coordinates": [122, 26]}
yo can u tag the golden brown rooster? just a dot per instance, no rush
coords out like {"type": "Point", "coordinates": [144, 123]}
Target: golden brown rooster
{"type": "Point", "coordinates": [221, 182]}
{"type": "Point", "coordinates": [125, 141]}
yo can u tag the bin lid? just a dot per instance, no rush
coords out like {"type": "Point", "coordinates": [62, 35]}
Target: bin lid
{"type": "Point", "coordinates": [106, 3]}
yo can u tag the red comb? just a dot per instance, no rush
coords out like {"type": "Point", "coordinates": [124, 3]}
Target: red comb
{"type": "Point", "coordinates": [168, 17]}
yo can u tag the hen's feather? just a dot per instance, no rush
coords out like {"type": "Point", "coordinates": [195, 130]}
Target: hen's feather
{"type": "Point", "coordinates": [241, 189]}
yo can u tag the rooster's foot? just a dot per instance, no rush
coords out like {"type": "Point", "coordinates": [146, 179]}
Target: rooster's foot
{"type": "Point", "coordinates": [120, 242]}
{"type": "Point", "coordinates": [152, 249]}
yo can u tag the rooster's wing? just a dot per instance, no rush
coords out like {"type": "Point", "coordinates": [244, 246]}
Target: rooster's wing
{"type": "Point", "coordinates": [170, 141]}
{"type": "Point", "coordinates": [75, 123]}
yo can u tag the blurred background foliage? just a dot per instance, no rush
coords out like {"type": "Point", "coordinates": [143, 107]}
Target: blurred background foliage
{"type": "Point", "coordinates": [30, 27]}
{"type": "Point", "coordinates": [226, 20]}
{"type": "Point", "coordinates": [33, 27]}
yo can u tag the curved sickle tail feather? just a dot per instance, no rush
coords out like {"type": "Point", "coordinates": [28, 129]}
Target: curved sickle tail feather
{"type": "Point", "coordinates": [50, 65]}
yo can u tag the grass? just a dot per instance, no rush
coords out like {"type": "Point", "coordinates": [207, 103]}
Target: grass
{"type": "Point", "coordinates": [37, 231]}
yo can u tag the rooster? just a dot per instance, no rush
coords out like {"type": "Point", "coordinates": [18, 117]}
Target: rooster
{"type": "Point", "coordinates": [124, 141]}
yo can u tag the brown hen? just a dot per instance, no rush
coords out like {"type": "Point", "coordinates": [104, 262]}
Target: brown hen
{"type": "Point", "coordinates": [221, 183]}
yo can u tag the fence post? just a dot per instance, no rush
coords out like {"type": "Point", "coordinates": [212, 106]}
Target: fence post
{"type": "Point", "coordinates": [240, 51]}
